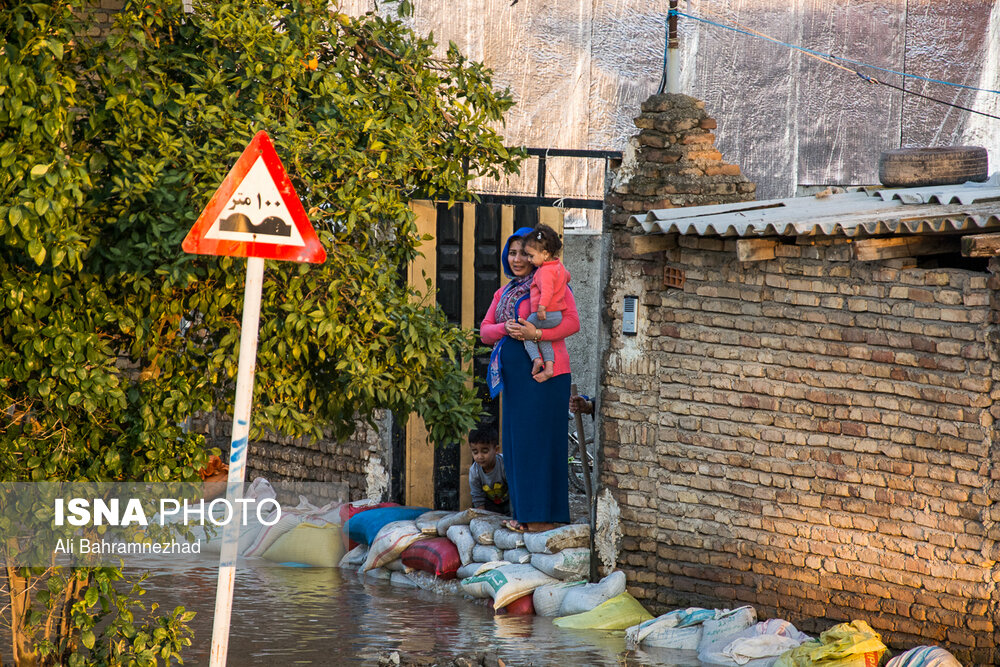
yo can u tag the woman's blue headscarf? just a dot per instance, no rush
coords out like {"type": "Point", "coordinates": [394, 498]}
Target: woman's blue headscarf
{"type": "Point", "coordinates": [519, 234]}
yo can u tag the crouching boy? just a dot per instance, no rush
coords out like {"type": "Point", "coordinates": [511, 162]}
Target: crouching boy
{"type": "Point", "coordinates": [487, 478]}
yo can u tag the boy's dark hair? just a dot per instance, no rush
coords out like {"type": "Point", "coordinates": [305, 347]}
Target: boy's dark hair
{"type": "Point", "coordinates": [546, 238]}
{"type": "Point", "coordinates": [484, 435]}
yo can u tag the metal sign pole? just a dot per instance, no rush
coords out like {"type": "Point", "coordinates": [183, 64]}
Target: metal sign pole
{"type": "Point", "coordinates": [237, 458]}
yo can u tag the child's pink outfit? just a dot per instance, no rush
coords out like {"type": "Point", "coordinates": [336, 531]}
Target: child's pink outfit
{"type": "Point", "coordinates": [548, 290]}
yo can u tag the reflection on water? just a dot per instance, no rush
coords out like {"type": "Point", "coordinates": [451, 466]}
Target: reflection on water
{"type": "Point", "coordinates": [318, 616]}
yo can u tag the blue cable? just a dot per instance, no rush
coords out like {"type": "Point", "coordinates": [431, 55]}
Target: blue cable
{"type": "Point", "coordinates": [825, 55]}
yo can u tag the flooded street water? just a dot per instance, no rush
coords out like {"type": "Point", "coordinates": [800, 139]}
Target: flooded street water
{"type": "Point", "coordinates": [317, 616]}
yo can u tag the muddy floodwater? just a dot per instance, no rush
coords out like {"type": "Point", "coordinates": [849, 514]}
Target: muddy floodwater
{"type": "Point", "coordinates": [318, 616]}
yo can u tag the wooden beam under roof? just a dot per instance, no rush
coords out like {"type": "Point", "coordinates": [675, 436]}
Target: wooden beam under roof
{"type": "Point", "coordinates": [870, 250]}
{"type": "Point", "coordinates": [755, 250]}
{"type": "Point", "coordinates": [981, 245]}
{"type": "Point", "coordinates": [644, 244]}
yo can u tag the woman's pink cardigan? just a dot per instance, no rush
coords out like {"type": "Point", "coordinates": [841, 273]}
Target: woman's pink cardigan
{"type": "Point", "coordinates": [490, 331]}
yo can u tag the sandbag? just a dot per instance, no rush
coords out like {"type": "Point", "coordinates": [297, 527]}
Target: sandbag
{"type": "Point", "coordinates": [378, 574]}
{"type": "Point", "coordinates": [552, 541]}
{"type": "Point", "coordinates": [472, 569]}
{"type": "Point", "coordinates": [397, 566]}
{"type": "Point", "coordinates": [760, 644]}
{"type": "Point", "coordinates": [925, 656]}
{"type": "Point", "coordinates": [505, 584]}
{"type": "Point", "coordinates": [316, 544]}
{"type": "Point", "coordinates": [460, 519]}
{"type": "Point", "coordinates": [617, 613]}
{"type": "Point", "coordinates": [483, 528]}
{"type": "Point", "coordinates": [483, 553]}
{"type": "Point", "coordinates": [588, 596]}
{"type": "Point", "coordinates": [717, 632]}
{"type": "Point", "coordinates": [523, 606]}
{"type": "Point", "coordinates": [461, 537]}
{"type": "Point", "coordinates": [852, 644]}
{"type": "Point", "coordinates": [365, 526]}
{"type": "Point", "coordinates": [567, 564]}
{"type": "Point", "coordinates": [427, 522]}
{"type": "Point", "coordinates": [354, 558]}
{"type": "Point", "coordinates": [348, 510]}
{"type": "Point", "coordinates": [437, 555]}
{"type": "Point", "coordinates": [504, 538]}
{"type": "Point", "coordinates": [391, 541]}
{"type": "Point", "coordinates": [521, 555]}
{"type": "Point", "coordinates": [548, 599]}
{"type": "Point", "coordinates": [210, 537]}
{"type": "Point", "coordinates": [402, 579]}
{"type": "Point", "coordinates": [269, 534]}
{"type": "Point", "coordinates": [679, 629]}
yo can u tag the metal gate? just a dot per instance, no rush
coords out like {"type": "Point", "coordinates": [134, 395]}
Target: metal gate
{"type": "Point", "coordinates": [463, 264]}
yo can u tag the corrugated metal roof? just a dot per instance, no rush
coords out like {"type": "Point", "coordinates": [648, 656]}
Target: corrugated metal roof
{"type": "Point", "coordinates": [869, 212]}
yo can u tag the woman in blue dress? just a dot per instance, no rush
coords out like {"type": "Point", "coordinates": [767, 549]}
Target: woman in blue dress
{"type": "Point", "coordinates": [533, 422]}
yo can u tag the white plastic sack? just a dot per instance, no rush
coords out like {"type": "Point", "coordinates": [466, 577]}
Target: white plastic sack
{"type": "Point", "coordinates": [428, 521]}
{"type": "Point", "coordinates": [402, 579]}
{"type": "Point", "coordinates": [472, 569]}
{"type": "Point", "coordinates": [504, 538]}
{"type": "Point", "coordinates": [268, 534]}
{"type": "Point", "coordinates": [567, 564]}
{"type": "Point", "coordinates": [461, 537]}
{"type": "Point", "coordinates": [460, 519]}
{"type": "Point", "coordinates": [925, 656]}
{"type": "Point", "coordinates": [378, 574]}
{"type": "Point", "coordinates": [397, 566]}
{"type": "Point", "coordinates": [763, 641]}
{"type": "Point", "coordinates": [391, 541]}
{"type": "Point", "coordinates": [482, 553]}
{"type": "Point", "coordinates": [353, 559]}
{"type": "Point", "coordinates": [548, 599]}
{"type": "Point", "coordinates": [521, 555]}
{"type": "Point", "coordinates": [718, 632]}
{"type": "Point", "coordinates": [506, 584]}
{"type": "Point", "coordinates": [553, 541]}
{"type": "Point", "coordinates": [679, 629]}
{"type": "Point", "coordinates": [483, 528]}
{"type": "Point", "coordinates": [588, 596]}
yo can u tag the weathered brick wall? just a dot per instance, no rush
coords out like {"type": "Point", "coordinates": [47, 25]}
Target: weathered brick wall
{"type": "Point", "coordinates": [298, 460]}
{"type": "Point", "coordinates": [811, 435]}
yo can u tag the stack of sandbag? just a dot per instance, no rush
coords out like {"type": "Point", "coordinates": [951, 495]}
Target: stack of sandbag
{"type": "Point", "coordinates": [852, 644]}
{"type": "Point", "coordinates": [507, 584]}
{"type": "Point", "coordinates": [304, 535]}
{"type": "Point", "coordinates": [562, 553]}
{"type": "Point", "coordinates": [567, 598]}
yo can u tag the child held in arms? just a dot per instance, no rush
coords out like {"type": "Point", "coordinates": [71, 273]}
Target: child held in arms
{"type": "Point", "coordinates": [487, 478]}
{"type": "Point", "coordinates": [548, 295]}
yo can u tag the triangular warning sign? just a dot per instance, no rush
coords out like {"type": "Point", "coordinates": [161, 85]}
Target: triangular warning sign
{"type": "Point", "coordinates": [256, 213]}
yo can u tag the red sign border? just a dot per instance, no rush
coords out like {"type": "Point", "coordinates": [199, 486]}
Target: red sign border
{"type": "Point", "coordinates": [196, 243]}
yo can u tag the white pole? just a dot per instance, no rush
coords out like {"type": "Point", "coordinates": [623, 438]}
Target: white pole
{"type": "Point", "coordinates": [237, 458]}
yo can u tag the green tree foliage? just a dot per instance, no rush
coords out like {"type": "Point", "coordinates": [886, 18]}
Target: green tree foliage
{"type": "Point", "coordinates": [110, 146]}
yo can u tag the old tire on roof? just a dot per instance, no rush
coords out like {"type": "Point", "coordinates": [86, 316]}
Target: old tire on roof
{"type": "Point", "coordinates": [948, 165]}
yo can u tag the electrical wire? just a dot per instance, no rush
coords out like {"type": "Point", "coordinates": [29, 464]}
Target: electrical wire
{"type": "Point", "coordinates": [829, 56]}
{"type": "Point", "coordinates": [831, 59]}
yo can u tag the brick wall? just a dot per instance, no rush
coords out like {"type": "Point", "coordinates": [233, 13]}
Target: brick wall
{"type": "Point", "coordinates": [811, 435]}
{"type": "Point", "coordinates": [293, 461]}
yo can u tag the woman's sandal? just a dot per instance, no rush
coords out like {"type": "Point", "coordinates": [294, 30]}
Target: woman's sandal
{"type": "Point", "coordinates": [511, 524]}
